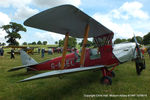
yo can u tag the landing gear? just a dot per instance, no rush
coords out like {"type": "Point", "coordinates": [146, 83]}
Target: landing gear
{"type": "Point", "coordinates": [107, 75]}
{"type": "Point", "coordinates": [106, 80]}
{"type": "Point", "coordinates": [140, 65]}
{"type": "Point", "coordinates": [111, 74]}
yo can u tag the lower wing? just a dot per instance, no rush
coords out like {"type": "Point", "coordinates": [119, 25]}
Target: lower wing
{"type": "Point", "coordinates": [61, 72]}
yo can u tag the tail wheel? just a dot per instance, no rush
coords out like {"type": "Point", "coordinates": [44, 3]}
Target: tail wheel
{"type": "Point", "coordinates": [106, 80]}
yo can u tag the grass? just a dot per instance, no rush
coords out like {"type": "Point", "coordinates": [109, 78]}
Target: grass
{"type": "Point", "coordinates": [73, 86]}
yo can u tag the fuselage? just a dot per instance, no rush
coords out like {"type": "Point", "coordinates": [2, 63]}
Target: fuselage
{"type": "Point", "coordinates": [106, 55]}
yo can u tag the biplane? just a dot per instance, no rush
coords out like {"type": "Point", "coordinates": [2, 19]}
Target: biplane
{"type": "Point", "coordinates": [71, 21]}
{"type": "Point", "coordinates": [29, 50]}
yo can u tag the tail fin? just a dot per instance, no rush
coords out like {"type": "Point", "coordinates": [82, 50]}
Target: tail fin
{"type": "Point", "coordinates": [26, 59]}
{"type": "Point", "coordinates": [27, 62]}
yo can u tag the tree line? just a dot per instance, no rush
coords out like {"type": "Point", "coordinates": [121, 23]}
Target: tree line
{"type": "Point", "coordinates": [35, 43]}
{"type": "Point", "coordinates": [2, 44]}
{"type": "Point", "coordinates": [142, 40]}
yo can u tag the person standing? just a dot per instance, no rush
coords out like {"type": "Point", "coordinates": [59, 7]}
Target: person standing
{"type": "Point", "coordinates": [49, 51]}
{"type": "Point", "coordinates": [2, 51]}
{"type": "Point", "coordinates": [39, 50]}
{"type": "Point", "coordinates": [148, 51]}
{"type": "Point", "coordinates": [12, 54]}
{"type": "Point", "coordinates": [42, 52]}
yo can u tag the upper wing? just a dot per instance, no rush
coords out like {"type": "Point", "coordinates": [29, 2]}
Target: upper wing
{"type": "Point", "coordinates": [60, 72]}
{"type": "Point", "coordinates": [67, 18]}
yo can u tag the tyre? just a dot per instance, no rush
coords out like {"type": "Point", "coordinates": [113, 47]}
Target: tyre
{"type": "Point", "coordinates": [144, 66]}
{"type": "Point", "coordinates": [138, 69]}
{"type": "Point", "coordinates": [106, 80]}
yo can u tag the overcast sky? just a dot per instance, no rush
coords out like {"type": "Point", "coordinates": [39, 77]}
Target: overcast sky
{"type": "Point", "coordinates": [123, 17]}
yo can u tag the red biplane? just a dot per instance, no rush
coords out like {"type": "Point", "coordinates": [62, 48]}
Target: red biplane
{"type": "Point", "coordinates": [71, 21]}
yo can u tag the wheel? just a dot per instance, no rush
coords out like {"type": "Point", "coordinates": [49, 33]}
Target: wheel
{"type": "Point", "coordinates": [143, 65]}
{"type": "Point", "coordinates": [138, 69]}
{"type": "Point", "coordinates": [106, 80]}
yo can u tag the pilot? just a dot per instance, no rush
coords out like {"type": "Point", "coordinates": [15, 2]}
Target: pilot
{"type": "Point", "coordinates": [76, 54]}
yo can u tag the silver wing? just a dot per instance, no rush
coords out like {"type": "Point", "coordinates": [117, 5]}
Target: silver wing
{"type": "Point", "coordinates": [61, 72]}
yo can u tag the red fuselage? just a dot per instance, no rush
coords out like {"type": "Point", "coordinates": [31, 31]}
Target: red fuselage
{"type": "Point", "coordinates": [106, 57]}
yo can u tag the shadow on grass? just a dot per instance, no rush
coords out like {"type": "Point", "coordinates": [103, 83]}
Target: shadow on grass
{"type": "Point", "coordinates": [61, 88]}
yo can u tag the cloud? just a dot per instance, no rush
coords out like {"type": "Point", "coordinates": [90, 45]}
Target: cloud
{"type": "Point", "coordinates": [14, 3]}
{"type": "Point", "coordinates": [4, 20]}
{"type": "Point", "coordinates": [130, 9]}
{"type": "Point", "coordinates": [24, 12]}
{"type": "Point", "coordinates": [121, 30]}
{"type": "Point", "coordinates": [50, 37]}
{"type": "Point", "coordinates": [53, 3]}
{"type": "Point", "coordinates": [124, 20]}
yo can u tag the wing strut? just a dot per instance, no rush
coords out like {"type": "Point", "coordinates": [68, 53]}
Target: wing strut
{"type": "Point", "coordinates": [87, 28]}
{"type": "Point", "coordinates": [64, 51]}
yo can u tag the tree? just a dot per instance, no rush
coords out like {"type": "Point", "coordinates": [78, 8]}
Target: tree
{"type": "Point", "coordinates": [61, 43]}
{"type": "Point", "coordinates": [3, 44]}
{"type": "Point", "coordinates": [29, 43]}
{"type": "Point", "coordinates": [34, 43]}
{"type": "Point", "coordinates": [24, 43]}
{"type": "Point", "coordinates": [129, 39]}
{"type": "Point", "coordinates": [72, 42]}
{"type": "Point", "coordinates": [39, 42]}
{"type": "Point", "coordinates": [44, 42]}
{"type": "Point", "coordinates": [89, 43]}
{"type": "Point", "coordinates": [146, 39]}
{"type": "Point", "coordinates": [124, 40]}
{"type": "Point", "coordinates": [12, 30]}
{"type": "Point", "coordinates": [56, 42]}
{"type": "Point", "coordinates": [118, 40]}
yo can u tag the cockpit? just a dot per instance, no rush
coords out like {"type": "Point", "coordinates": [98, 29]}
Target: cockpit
{"type": "Point", "coordinates": [94, 54]}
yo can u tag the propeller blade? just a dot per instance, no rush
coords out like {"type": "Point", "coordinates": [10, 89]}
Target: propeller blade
{"type": "Point", "coordinates": [138, 48]}
{"type": "Point", "coordinates": [140, 61]}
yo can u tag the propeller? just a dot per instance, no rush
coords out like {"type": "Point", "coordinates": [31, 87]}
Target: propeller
{"type": "Point", "coordinates": [139, 61]}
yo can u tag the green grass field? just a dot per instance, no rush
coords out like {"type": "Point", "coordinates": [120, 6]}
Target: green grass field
{"type": "Point", "coordinates": [74, 86]}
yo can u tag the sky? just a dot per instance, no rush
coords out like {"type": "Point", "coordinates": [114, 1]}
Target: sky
{"type": "Point", "coordinates": [123, 17]}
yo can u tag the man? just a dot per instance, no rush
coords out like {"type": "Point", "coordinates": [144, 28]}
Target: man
{"type": "Point", "coordinates": [39, 50]}
{"type": "Point", "coordinates": [2, 51]}
{"type": "Point", "coordinates": [50, 51]}
{"type": "Point", "coordinates": [42, 52]}
{"type": "Point", "coordinates": [148, 51]}
{"type": "Point", "coordinates": [12, 54]}
{"type": "Point", "coordinates": [76, 54]}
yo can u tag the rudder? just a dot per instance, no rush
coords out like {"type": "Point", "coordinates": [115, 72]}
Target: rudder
{"type": "Point", "coordinates": [26, 59]}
